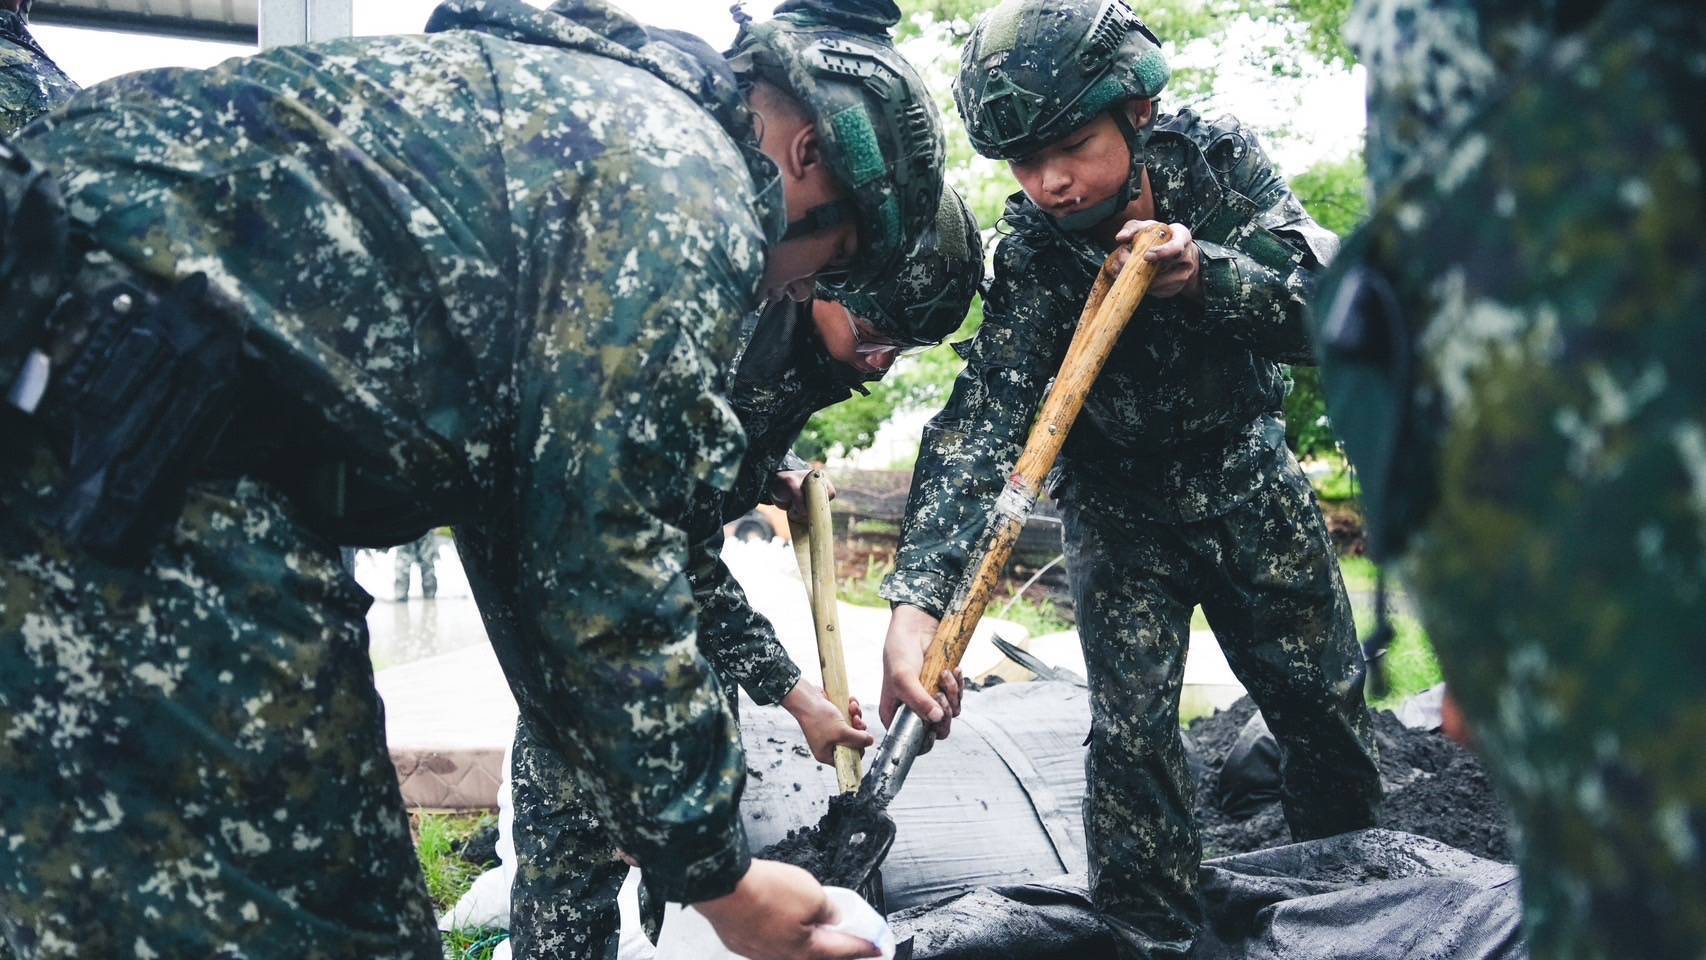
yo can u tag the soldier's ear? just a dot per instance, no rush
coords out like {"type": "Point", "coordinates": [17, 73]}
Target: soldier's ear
{"type": "Point", "coordinates": [1139, 111]}
{"type": "Point", "coordinates": [805, 151]}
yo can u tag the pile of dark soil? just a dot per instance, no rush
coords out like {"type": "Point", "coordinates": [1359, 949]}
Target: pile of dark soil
{"type": "Point", "coordinates": [1434, 788]}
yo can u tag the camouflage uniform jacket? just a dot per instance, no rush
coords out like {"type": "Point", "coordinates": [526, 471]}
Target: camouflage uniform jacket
{"type": "Point", "coordinates": [31, 84]}
{"type": "Point", "coordinates": [1183, 422]}
{"type": "Point", "coordinates": [738, 641]}
{"type": "Point", "coordinates": [502, 266]}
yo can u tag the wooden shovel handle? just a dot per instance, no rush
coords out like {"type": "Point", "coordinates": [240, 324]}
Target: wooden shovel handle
{"type": "Point", "coordinates": [1107, 311]}
{"type": "Point", "coordinates": [820, 574]}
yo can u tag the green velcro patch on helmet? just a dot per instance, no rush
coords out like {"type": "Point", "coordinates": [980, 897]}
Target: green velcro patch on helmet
{"type": "Point", "coordinates": [951, 226]}
{"type": "Point", "coordinates": [889, 214]}
{"type": "Point", "coordinates": [1153, 72]}
{"type": "Point", "coordinates": [858, 142]}
{"type": "Point", "coordinates": [1108, 91]}
{"type": "Point", "coordinates": [1001, 29]}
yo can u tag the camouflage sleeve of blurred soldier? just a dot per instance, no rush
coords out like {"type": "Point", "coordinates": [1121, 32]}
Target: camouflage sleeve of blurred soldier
{"type": "Point", "coordinates": [738, 640]}
{"type": "Point", "coordinates": [1511, 351]}
{"type": "Point", "coordinates": [30, 82]}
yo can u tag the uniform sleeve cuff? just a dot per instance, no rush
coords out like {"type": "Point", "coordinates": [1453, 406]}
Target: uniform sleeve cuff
{"type": "Point", "coordinates": [1223, 283]}
{"type": "Point", "coordinates": [713, 873]}
{"type": "Point", "coordinates": [775, 682]}
{"type": "Point", "coordinates": [926, 591]}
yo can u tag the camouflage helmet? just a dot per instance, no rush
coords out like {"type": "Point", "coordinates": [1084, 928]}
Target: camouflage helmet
{"type": "Point", "coordinates": [874, 116]}
{"type": "Point", "coordinates": [927, 300]}
{"type": "Point", "coordinates": [1033, 71]}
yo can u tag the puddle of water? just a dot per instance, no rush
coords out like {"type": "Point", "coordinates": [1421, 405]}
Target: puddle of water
{"type": "Point", "coordinates": [416, 628]}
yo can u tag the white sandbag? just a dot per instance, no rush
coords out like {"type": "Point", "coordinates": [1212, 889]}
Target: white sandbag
{"type": "Point", "coordinates": [687, 935]}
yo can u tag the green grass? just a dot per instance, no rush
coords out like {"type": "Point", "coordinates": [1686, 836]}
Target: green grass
{"type": "Point", "coordinates": [1411, 666]}
{"type": "Point", "coordinates": [1360, 574]}
{"type": "Point", "coordinates": [448, 876]}
{"type": "Point", "coordinates": [1339, 487]}
{"type": "Point", "coordinates": [1038, 617]}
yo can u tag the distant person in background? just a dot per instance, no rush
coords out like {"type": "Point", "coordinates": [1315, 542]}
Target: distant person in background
{"type": "Point", "coordinates": [423, 552]}
{"type": "Point", "coordinates": [31, 84]}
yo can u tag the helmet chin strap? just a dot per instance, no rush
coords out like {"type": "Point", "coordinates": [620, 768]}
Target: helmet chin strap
{"type": "Point", "coordinates": [1135, 141]}
{"type": "Point", "coordinates": [824, 216]}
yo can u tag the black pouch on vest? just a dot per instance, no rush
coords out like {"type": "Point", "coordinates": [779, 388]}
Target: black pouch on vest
{"type": "Point", "coordinates": [137, 410]}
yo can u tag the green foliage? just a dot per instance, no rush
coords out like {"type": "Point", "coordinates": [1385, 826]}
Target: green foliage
{"type": "Point", "coordinates": [863, 591]}
{"type": "Point", "coordinates": [849, 425]}
{"type": "Point", "coordinates": [1322, 25]}
{"type": "Point", "coordinates": [1340, 486]}
{"type": "Point", "coordinates": [1335, 193]}
{"type": "Point", "coordinates": [448, 876]}
{"type": "Point", "coordinates": [1038, 617]}
{"type": "Point", "coordinates": [876, 528]}
{"type": "Point", "coordinates": [1307, 430]}
{"type": "Point", "coordinates": [1410, 664]}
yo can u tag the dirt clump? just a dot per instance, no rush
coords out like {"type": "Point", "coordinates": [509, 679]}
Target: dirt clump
{"type": "Point", "coordinates": [1434, 788]}
{"type": "Point", "coordinates": [809, 848]}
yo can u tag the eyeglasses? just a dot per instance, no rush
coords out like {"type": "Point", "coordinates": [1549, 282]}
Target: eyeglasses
{"type": "Point", "coordinates": [868, 342]}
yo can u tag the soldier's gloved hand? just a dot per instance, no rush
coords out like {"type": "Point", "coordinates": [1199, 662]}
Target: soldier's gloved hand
{"type": "Point", "coordinates": [1180, 259]}
{"type": "Point", "coordinates": [910, 631]}
{"type": "Point", "coordinates": [821, 722]}
{"type": "Point", "coordinates": [787, 488]}
{"type": "Point", "coordinates": [779, 912]}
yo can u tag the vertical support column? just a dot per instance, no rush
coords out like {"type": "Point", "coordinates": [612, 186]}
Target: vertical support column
{"type": "Point", "coordinates": [330, 19]}
{"type": "Point", "coordinates": [284, 22]}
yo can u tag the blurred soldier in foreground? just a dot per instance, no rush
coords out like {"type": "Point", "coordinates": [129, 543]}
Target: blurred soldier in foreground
{"type": "Point", "coordinates": [1512, 353]}
{"type": "Point", "coordinates": [31, 84]}
{"type": "Point", "coordinates": [491, 277]}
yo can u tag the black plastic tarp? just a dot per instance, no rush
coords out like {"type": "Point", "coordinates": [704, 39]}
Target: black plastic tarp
{"type": "Point", "coordinates": [1372, 895]}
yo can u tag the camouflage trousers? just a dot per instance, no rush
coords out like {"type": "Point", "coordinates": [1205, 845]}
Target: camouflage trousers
{"type": "Point", "coordinates": [192, 754]}
{"type": "Point", "coordinates": [1267, 578]}
{"type": "Point", "coordinates": [567, 876]}
{"type": "Point", "coordinates": [562, 903]}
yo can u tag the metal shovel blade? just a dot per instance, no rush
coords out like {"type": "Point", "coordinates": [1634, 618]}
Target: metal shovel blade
{"type": "Point", "coordinates": [858, 831]}
{"type": "Point", "coordinates": [857, 847]}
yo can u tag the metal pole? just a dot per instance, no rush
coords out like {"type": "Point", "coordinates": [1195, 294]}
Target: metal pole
{"type": "Point", "coordinates": [330, 19]}
{"type": "Point", "coordinates": [285, 22]}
